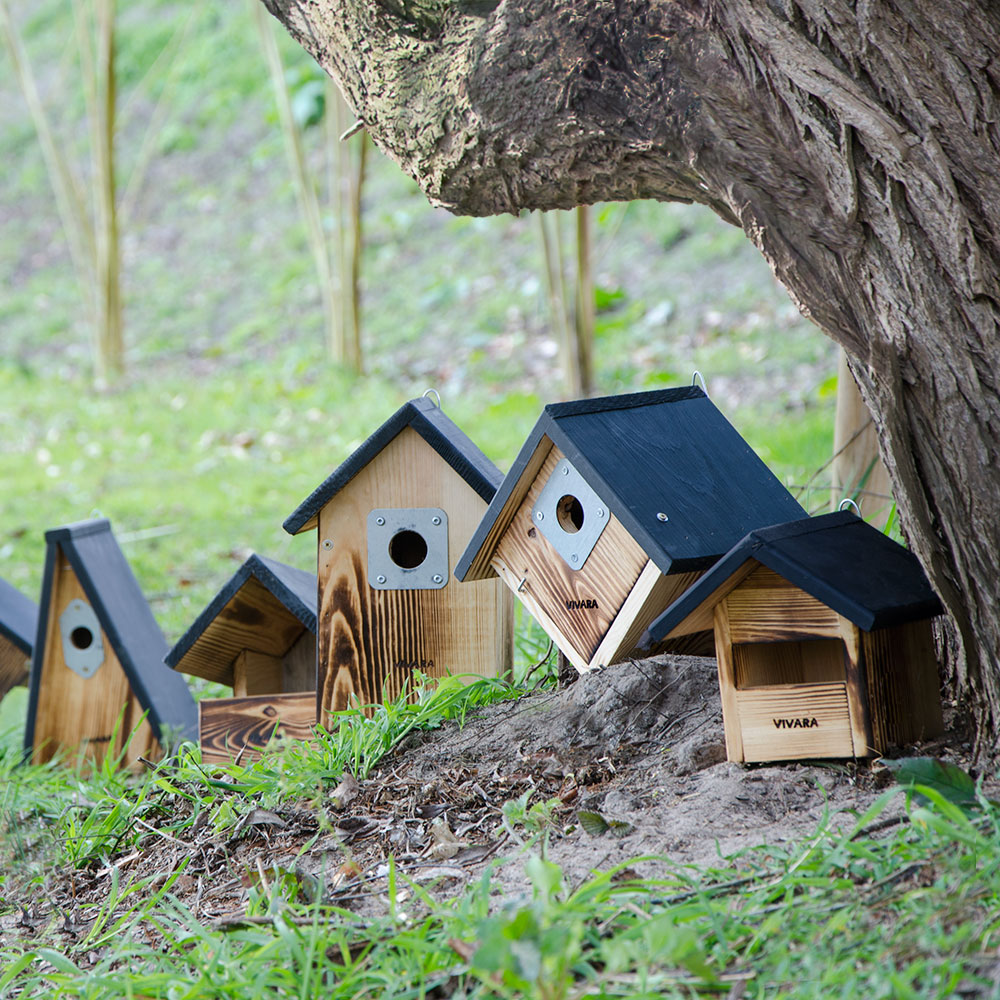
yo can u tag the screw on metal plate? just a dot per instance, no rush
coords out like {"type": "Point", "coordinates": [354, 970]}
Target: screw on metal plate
{"type": "Point", "coordinates": [662, 517]}
{"type": "Point", "coordinates": [408, 548]}
{"type": "Point", "coordinates": [327, 543]}
{"type": "Point", "coordinates": [570, 515]}
{"type": "Point", "coordinates": [848, 502]}
{"type": "Point", "coordinates": [82, 644]}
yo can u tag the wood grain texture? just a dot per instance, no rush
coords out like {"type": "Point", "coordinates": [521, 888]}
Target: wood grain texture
{"type": "Point", "coordinates": [256, 673]}
{"type": "Point", "coordinates": [14, 666]}
{"type": "Point", "coordinates": [481, 567]}
{"type": "Point", "coordinates": [228, 726]}
{"type": "Point", "coordinates": [901, 674]}
{"type": "Point", "coordinates": [607, 577]}
{"type": "Point", "coordinates": [766, 608]}
{"type": "Point", "coordinates": [857, 692]}
{"type": "Point", "coordinates": [80, 715]}
{"type": "Point", "coordinates": [370, 642]}
{"type": "Point", "coordinates": [803, 662]}
{"type": "Point", "coordinates": [275, 630]}
{"type": "Point", "coordinates": [762, 709]}
{"type": "Point", "coordinates": [298, 665]}
{"type": "Point", "coordinates": [653, 592]}
{"type": "Point", "coordinates": [727, 682]}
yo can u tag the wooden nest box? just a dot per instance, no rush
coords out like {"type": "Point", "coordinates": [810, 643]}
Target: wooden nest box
{"type": "Point", "coordinates": [823, 638]}
{"type": "Point", "coordinates": [613, 508]}
{"type": "Point", "coordinates": [257, 636]}
{"type": "Point", "coordinates": [98, 658]}
{"type": "Point", "coordinates": [391, 521]}
{"type": "Point", "coordinates": [18, 625]}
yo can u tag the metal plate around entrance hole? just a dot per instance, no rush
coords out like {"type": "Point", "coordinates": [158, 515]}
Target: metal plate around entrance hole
{"type": "Point", "coordinates": [82, 644]}
{"type": "Point", "coordinates": [572, 530]}
{"type": "Point", "coordinates": [408, 548]}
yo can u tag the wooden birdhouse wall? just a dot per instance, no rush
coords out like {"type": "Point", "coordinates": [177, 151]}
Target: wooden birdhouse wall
{"type": "Point", "coordinates": [14, 665]}
{"type": "Point", "coordinates": [369, 641]}
{"type": "Point", "coordinates": [245, 725]}
{"type": "Point", "coordinates": [798, 680]}
{"type": "Point", "coordinates": [594, 614]}
{"type": "Point", "coordinates": [81, 713]}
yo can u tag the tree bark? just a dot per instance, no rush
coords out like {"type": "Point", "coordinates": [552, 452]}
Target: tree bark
{"type": "Point", "coordinates": [856, 144]}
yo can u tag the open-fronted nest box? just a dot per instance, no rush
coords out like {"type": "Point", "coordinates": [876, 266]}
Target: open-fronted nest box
{"type": "Point", "coordinates": [18, 625]}
{"type": "Point", "coordinates": [391, 521]}
{"type": "Point", "coordinates": [613, 508]}
{"type": "Point", "coordinates": [257, 636]}
{"type": "Point", "coordinates": [98, 658]}
{"type": "Point", "coordinates": [823, 638]}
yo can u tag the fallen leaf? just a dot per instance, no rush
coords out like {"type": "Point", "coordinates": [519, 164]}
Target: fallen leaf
{"type": "Point", "coordinates": [593, 822]}
{"type": "Point", "coordinates": [346, 792]}
{"type": "Point", "coordinates": [444, 843]}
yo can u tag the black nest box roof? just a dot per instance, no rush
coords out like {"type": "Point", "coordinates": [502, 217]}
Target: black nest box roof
{"type": "Point", "coordinates": [837, 558]}
{"type": "Point", "coordinates": [671, 468]}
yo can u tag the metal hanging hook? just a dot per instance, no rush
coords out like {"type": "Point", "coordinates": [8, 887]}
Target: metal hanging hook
{"type": "Point", "coordinates": [427, 393]}
{"type": "Point", "coordinates": [848, 502]}
{"type": "Point", "coordinates": [696, 377]}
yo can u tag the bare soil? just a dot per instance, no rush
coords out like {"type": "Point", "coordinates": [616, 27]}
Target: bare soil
{"type": "Point", "coordinates": [637, 748]}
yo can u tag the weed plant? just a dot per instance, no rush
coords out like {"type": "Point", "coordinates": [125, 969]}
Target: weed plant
{"type": "Point", "coordinates": [841, 914]}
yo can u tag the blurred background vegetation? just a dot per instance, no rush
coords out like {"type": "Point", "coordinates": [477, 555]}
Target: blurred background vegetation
{"type": "Point", "coordinates": [236, 390]}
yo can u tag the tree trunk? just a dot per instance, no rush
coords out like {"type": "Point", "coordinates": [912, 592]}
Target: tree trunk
{"type": "Point", "coordinates": [855, 143]}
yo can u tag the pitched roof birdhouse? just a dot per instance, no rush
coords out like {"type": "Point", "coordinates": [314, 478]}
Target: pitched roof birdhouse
{"type": "Point", "coordinates": [257, 636]}
{"type": "Point", "coordinates": [391, 521]}
{"type": "Point", "coordinates": [18, 625]}
{"type": "Point", "coordinates": [823, 639]}
{"type": "Point", "coordinates": [98, 659]}
{"type": "Point", "coordinates": [613, 508]}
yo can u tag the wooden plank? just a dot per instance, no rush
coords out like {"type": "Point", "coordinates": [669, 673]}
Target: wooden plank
{"type": "Point", "coordinates": [14, 666]}
{"type": "Point", "coordinates": [252, 618]}
{"type": "Point", "coordinates": [582, 603]}
{"type": "Point", "coordinates": [702, 618]}
{"type": "Point", "coordinates": [766, 608]}
{"type": "Point", "coordinates": [653, 592]}
{"type": "Point", "coordinates": [727, 683]}
{"type": "Point", "coordinates": [481, 566]}
{"type": "Point", "coordinates": [540, 614]}
{"type": "Point", "coordinates": [795, 721]}
{"type": "Point", "coordinates": [228, 725]}
{"type": "Point", "coordinates": [900, 669]}
{"type": "Point", "coordinates": [814, 661]}
{"type": "Point", "coordinates": [256, 673]}
{"type": "Point", "coordinates": [80, 714]}
{"type": "Point", "coordinates": [369, 641]}
{"type": "Point", "coordinates": [857, 691]}
{"type": "Point", "coordinates": [298, 665]}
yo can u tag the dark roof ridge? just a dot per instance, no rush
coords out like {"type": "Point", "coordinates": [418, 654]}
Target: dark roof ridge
{"type": "Point", "coordinates": [436, 428]}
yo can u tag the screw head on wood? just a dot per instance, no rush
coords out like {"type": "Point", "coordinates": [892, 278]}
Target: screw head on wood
{"type": "Point", "coordinates": [662, 517]}
{"type": "Point", "coordinates": [327, 543]}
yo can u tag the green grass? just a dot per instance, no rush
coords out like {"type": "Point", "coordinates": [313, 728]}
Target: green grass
{"type": "Point", "coordinates": [911, 913]}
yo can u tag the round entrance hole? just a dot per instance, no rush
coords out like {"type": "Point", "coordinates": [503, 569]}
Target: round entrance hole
{"type": "Point", "coordinates": [81, 637]}
{"type": "Point", "coordinates": [407, 549]}
{"type": "Point", "coordinates": [569, 513]}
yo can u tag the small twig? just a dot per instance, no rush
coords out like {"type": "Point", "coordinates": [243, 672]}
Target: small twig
{"type": "Point", "coordinates": [159, 833]}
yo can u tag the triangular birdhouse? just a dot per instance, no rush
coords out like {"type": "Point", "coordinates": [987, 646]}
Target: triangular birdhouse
{"type": "Point", "coordinates": [18, 625]}
{"type": "Point", "coordinates": [391, 522]}
{"type": "Point", "coordinates": [257, 636]}
{"type": "Point", "coordinates": [823, 639]}
{"type": "Point", "coordinates": [613, 508]}
{"type": "Point", "coordinates": [98, 658]}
